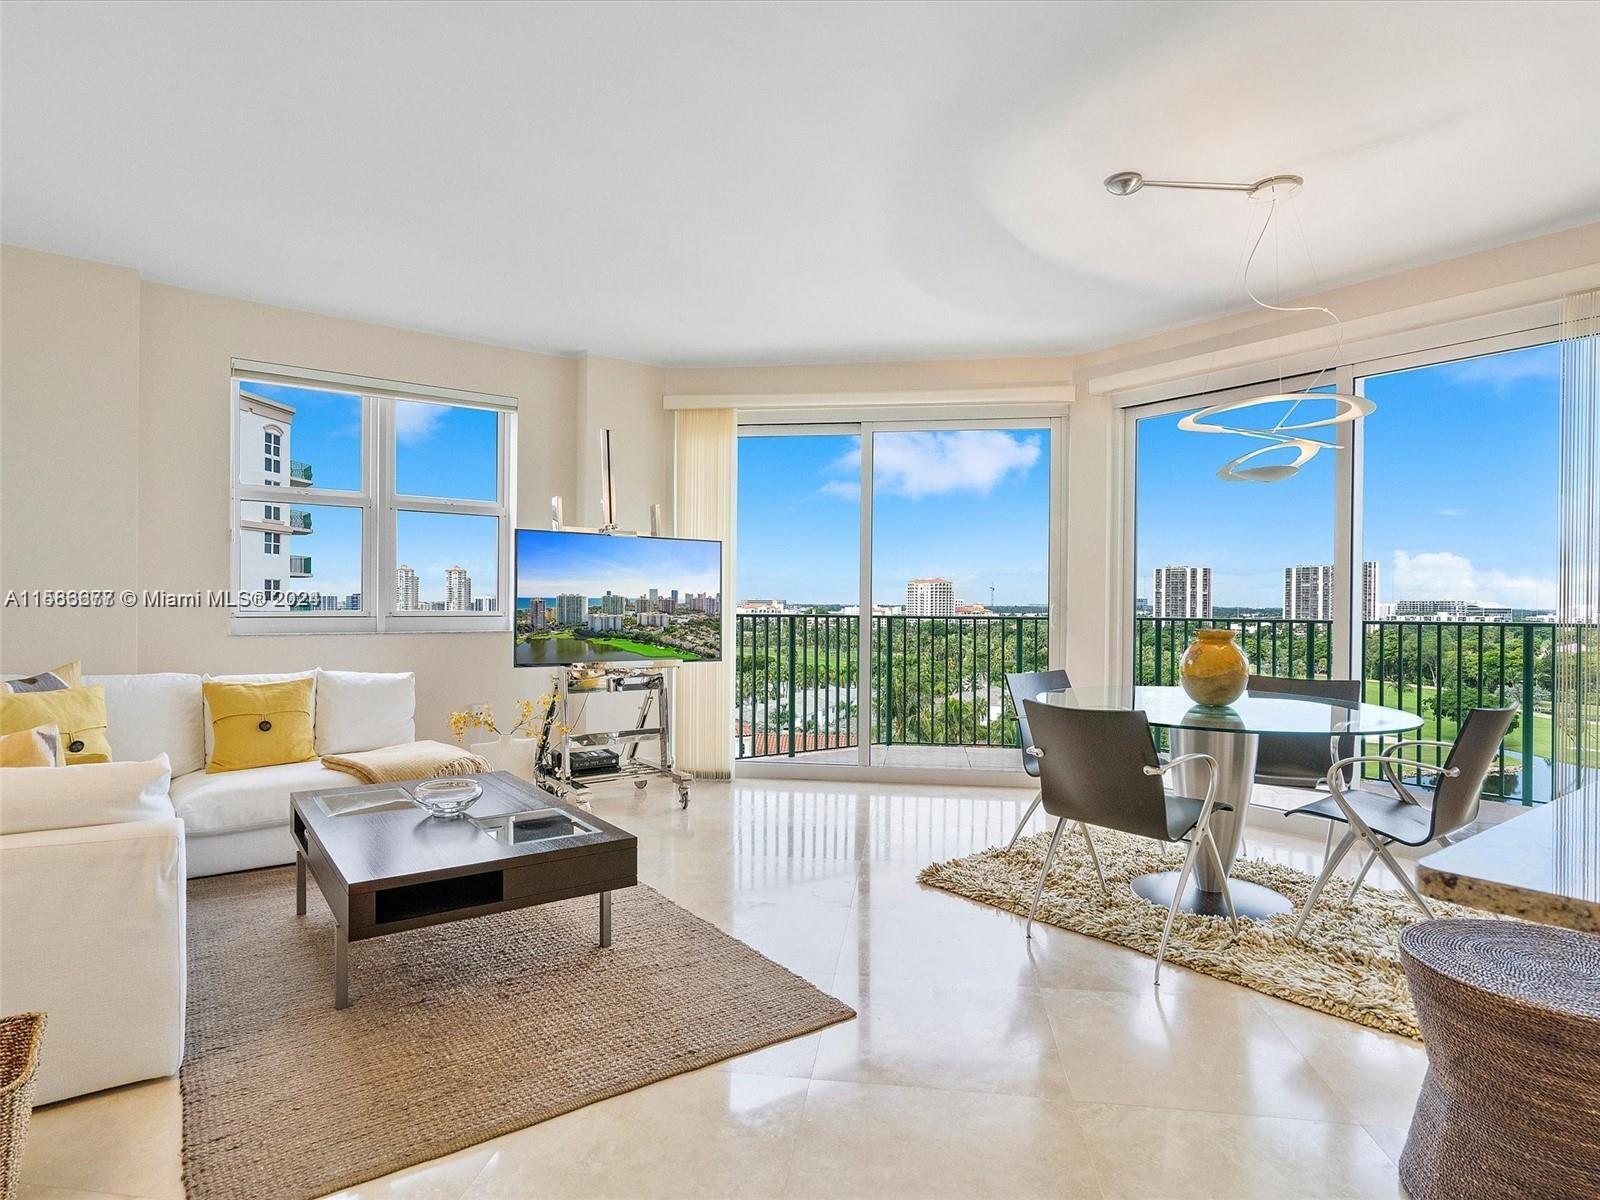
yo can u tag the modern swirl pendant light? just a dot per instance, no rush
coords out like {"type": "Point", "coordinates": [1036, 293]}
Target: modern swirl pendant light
{"type": "Point", "coordinates": [1284, 435]}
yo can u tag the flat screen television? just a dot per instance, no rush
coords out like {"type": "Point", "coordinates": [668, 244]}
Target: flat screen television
{"type": "Point", "coordinates": [596, 597]}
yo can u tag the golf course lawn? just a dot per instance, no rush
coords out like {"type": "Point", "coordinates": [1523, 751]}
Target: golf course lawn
{"type": "Point", "coordinates": [648, 649]}
{"type": "Point", "coordinates": [1407, 698]}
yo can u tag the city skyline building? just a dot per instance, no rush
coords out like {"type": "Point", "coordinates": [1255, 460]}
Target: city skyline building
{"type": "Point", "coordinates": [1448, 610]}
{"type": "Point", "coordinates": [407, 592]}
{"type": "Point", "coordinates": [1182, 591]}
{"type": "Point", "coordinates": [457, 590]}
{"type": "Point", "coordinates": [572, 609]}
{"type": "Point", "coordinates": [267, 561]}
{"type": "Point", "coordinates": [1308, 592]}
{"type": "Point", "coordinates": [930, 597]}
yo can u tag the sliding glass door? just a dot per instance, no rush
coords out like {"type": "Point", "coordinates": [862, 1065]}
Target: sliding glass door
{"type": "Point", "coordinates": [889, 576]}
{"type": "Point", "coordinates": [1418, 552]}
{"type": "Point", "coordinates": [1257, 558]}
{"type": "Point", "coordinates": [960, 589]}
{"type": "Point", "coordinates": [798, 559]}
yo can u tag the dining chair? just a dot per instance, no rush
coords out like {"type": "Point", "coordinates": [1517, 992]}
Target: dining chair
{"type": "Point", "coordinates": [1099, 767]}
{"type": "Point", "coordinates": [1301, 760]}
{"type": "Point", "coordinates": [1022, 686]}
{"type": "Point", "coordinates": [1380, 820]}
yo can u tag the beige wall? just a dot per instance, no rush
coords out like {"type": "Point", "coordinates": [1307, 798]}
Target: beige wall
{"type": "Point", "coordinates": [115, 427]}
{"type": "Point", "coordinates": [624, 397]}
{"type": "Point", "coordinates": [69, 456]}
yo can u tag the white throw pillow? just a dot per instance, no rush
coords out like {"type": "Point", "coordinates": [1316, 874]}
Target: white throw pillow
{"type": "Point", "coordinates": [147, 715]}
{"type": "Point", "coordinates": [38, 798]}
{"type": "Point", "coordinates": [211, 736]}
{"type": "Point", "coordinates": [365, 710]}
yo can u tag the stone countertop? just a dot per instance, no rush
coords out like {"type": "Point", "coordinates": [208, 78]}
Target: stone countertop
{"type": "Point", "coordinates": [1541, 866]}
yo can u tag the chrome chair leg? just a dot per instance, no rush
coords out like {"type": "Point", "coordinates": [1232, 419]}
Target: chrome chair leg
{"type": "Point", "coordinates": [1372, 857]}
{"type": "Point", "coordinates": [1172, 910]}
{"type": "Point", "coordinates": [1333, 861]}
{"type": "Point", "coordinates": [1049, 855]}
{"type": "Point", "coordinates": [1094, 855]}
{"type": "Point", "coordinates": [1022, 824]}
{"type": "Point", "coordinates": [1405, 880]}
{"type": "Point", "coordinates": [1222, 874]}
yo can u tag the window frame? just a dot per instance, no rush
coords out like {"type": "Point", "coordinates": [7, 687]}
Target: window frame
{"type": "Point", "coordinates": [378, 504]}
{"type": "Point", "coordinates": [1435, 347]}
{"type": "Point", "coordinates": [1051, 421]}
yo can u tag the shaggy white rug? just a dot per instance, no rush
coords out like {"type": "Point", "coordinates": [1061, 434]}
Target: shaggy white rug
{"type": "Point", "coordinates": [1346, 961]}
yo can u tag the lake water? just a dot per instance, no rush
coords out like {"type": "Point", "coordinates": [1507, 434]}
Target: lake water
{"type": "Point", "coordinates": [550, 652]}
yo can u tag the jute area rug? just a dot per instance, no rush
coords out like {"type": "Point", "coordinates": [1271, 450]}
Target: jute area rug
{"type": "Point", "coordinates": [1346, 961]}
{"type": "Point", "coordinates": [454, 1034]}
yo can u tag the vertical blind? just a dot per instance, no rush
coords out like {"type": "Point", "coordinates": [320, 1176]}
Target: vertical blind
{"type": "Point", "coordinates": [1577, 643]}
{"type": "Point", "coordinates": [703, 497]}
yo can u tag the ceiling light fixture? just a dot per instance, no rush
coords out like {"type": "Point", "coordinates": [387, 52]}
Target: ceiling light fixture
{"type": "Point", "coordinates": [1281, 436]}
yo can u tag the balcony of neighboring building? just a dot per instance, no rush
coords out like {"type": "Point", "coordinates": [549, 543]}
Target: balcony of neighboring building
{"type": "Point", "coordinates": [299, 566]}
{"type": "Point", "coordinates": [299, 474]}
{"type": "Point", "coordinates": [275, 518]}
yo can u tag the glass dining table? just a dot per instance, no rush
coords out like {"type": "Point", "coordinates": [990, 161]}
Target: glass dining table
{"type": "Point", "coordinates": [1230, 735]}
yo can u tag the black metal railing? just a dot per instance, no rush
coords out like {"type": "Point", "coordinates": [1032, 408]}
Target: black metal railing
{"type": "Point", "coordinates": [795, 683]}
{"type": "Point", "coordinates": [938, 681]}
{"type": "Point", "coordinates": [1439, 670]}
{"type": "Point", "coordinates": [1296, 649]}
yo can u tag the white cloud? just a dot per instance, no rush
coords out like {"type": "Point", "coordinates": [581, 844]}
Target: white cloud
{"type": "Point", "coordinates": [1502, 372]}
{"type": "Point", "coordinates": [1441, 575]}
{"type": "Point", "coordinates": [414, 422]}
{"type": "Point", "coordinates": [920, 464]}
{"type": "Point", "coordinates": [1451, 512]}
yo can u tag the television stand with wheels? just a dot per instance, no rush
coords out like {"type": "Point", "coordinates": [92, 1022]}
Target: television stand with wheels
{"type": "Point", "coordinates": [581, 680]}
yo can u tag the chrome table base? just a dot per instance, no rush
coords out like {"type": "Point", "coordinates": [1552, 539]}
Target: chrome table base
{"type": "Point", "coordinates": [1235, 755]}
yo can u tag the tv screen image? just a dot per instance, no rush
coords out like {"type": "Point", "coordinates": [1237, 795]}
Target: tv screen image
{"type": "Point", "coordinates": [595, 597]}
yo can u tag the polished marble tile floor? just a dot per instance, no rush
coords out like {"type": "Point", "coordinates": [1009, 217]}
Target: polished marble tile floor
{"type": "Point", "coordinates": [980, 1065]}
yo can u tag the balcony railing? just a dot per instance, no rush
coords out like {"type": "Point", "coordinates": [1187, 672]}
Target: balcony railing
{"type": "Point", "coordinates": [299, 474]}
{"type": "Point", "coordinates": [1297, 649]}
{"type": "Point", "coordinates": [1440, 670]}
{"type": "Point", "coordinates": [941, 681]}
{"type": "Point", "coordinates": [299, 520]}
{"type": "Point", "coordinates": [299, 566]}
{"type": "Point", "coordinates": [938, 681]}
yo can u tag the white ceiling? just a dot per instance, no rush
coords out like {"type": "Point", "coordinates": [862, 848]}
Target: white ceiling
{"type": "Point", "coordinates": [717, 183]}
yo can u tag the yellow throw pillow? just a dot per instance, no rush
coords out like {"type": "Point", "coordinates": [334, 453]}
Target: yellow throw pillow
{"type": "Point", "coordinates": [259, 724]}
{"type": "Point", "coordinates": [68, 675]}
{"type": "Point", "coordinates": [39, 747]}
{"type": "Point", "coordinates": [79, 713]}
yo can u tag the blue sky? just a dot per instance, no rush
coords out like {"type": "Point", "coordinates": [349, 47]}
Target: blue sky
{"type": "Point", "coordinates": [550, 563]}
{"type": "Point", "coordinates": [969, 505]}
{"type": "Point", "coordinates": [440, 450]}
{"type": "Point", "coordinates": [1460, 496]}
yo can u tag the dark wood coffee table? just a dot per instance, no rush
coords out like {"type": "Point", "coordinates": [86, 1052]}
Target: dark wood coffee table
{"type": "Point", "coordinates": [385, 865]}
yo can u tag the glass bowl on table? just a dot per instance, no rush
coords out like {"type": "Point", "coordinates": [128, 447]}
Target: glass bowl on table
{"type": "Point", "coordinates": [448, 797]}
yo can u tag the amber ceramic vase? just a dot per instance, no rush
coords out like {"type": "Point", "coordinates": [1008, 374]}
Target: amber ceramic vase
{"type": "Point", "coordinates": [1213, 670]}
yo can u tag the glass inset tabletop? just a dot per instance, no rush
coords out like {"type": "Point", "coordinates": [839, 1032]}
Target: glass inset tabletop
{"type": "Point", "coordinates": [1171, 708]}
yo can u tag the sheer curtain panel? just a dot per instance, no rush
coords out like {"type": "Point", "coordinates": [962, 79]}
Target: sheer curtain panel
{"type": "Point", "coordinates": [703, 494]}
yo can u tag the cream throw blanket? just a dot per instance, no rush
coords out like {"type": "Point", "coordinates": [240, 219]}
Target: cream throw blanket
{"type": "Point", "coordinates": [413, 760]}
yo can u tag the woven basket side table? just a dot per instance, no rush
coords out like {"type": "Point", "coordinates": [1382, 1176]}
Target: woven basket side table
{"type": "Point", "coordinates": [1510, 1016]}
{"type": "Point", "coordinates": [20, 1037]}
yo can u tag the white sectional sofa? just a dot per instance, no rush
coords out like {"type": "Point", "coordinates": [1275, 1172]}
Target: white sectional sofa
{"type": "Point", "coordinates": [93, 866]}
{"type": "Point", "coordinates": [236, 820]}
{"type": "Point", "coordinates": [92, 921]}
